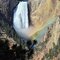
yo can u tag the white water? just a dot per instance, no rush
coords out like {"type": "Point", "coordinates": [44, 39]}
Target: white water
{"type": "Point", "coordinates": [21, 15]}
{"type": "Point", "coordinates": [20, 19]}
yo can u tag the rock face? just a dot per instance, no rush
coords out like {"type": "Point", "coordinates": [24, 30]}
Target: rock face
{"type": "Point", "coordinates": [42, 9]}
{"type": "Point", "coordinates": [49, 41]}
{"type": "Point", "coordinates": [40, 12]}
{"type": "Point", "coordinates": [6, 7]}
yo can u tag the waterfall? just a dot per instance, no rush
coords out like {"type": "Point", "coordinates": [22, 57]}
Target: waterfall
{"type": "Point", "coordinates": [20, 19]}
{"type": "Point", "coordinates": [21, 14]}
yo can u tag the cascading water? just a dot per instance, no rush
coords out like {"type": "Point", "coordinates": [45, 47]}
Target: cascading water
{"type": "Point", "coordinates": [20, 19]}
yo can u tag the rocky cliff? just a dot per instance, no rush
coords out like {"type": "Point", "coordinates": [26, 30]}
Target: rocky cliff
{"type": "Point", "coordinates": [48, 48]}
{"type": "Point", "coordinates": [6, 8]}
{"type": "Point", "coordinates": [42, 13]}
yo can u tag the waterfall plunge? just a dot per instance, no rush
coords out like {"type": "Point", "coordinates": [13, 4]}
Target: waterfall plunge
{"type": "Point", "coordinates": [20, 20]}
